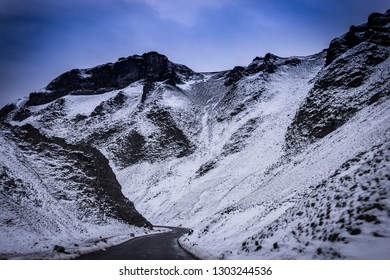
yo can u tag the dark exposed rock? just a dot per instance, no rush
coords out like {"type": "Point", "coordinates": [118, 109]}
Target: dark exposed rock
{"type": "Point", "coordinates": [147, 88]}
{"type": "Point", "coordinates": [292, 61]}
{"type": "Point", "coordinates": [38, 98]}
{"type": "Point", "coordinates": [171, 137]}
{"type": "Point", "coordinates": [206, 167]}
{"type": "Point", "coordinates": [267, 64]}
{"type": "Point", "coordinates": [234, 75]}
{"type": "Point", "coordinates": [150, 66]}
{"type": "Point", "coordinates": [237, 110]}
{"type": "Point", "coordinates": [22, 114]}
{"type": "Point", "coordinates": [237, 141]}
{"type": "Point", "coordinates": [329, 105]}
{"type": "Point", "coordinates": [340, 74]}
{"type": "Point", "coordinates": [355, 231]}
{"type": "Point", "coordinates": [6, 110]}
{"type": "Point", "coordinates": [79, 118]}
{"type": "Point", "coordinates": [110, 106]}
{"type": "Point", "coordinates": [100, 181]}
{"type": "Point", "coordinates": [167, 141]}
{"type": "Point", "coordinates": [374, 31]}
{"type": "Point", "coordinates": [53, 112]}
{"type": "Point", "coordinates": [59, 249]}
{"type": "Point", "coordinates": [102, 135]}
{"type": "Point", "coordinates": [131, 149]}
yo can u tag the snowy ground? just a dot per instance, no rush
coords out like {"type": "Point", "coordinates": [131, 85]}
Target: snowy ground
{"type": "Point", "coordinates": [244, 195]}
{"type": "Point", "coordinates": [98, 238]}
{"type": "Point", "coordinates": [269, 214]}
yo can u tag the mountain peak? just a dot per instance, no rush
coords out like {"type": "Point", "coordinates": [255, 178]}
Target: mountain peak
{"type": "Point", "coordinates": [374, 31]}
{"type": "Point", "coordinates": [150, 66]}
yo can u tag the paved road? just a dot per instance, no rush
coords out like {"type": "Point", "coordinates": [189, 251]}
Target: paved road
{"type": "Point", "coordinates": [162, 246]}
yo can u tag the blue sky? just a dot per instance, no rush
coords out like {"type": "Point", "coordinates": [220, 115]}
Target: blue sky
{"type": "Point", "coordinates": [40, 39]}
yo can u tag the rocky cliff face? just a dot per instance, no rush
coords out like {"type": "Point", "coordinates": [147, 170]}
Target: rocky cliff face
{"type": "Point", "coordinates": [375, 31]}
{"type": "Point", "coordinates": [51, 187]}
{"type": "Point", "coordinates": [150, 67]}
{"type": "Point", "coordinates": [259, 160]}
{"type": "Point", "coordinates": [90, 176]}
{"type": "Point", "coordinates": [355, 76]}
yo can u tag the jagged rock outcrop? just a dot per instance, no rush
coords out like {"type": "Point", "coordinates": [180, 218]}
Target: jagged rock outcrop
{"type": "Point", "coordinates": [6, 110]}
{"type": "Point", "coordinates": [266, 64]}
{"type": "Point", "coordinates": [92, 187]}
{"type": "Point", "coordinates": [375, 31]}
{"type": "Point", "coordinates": [151, 67]}
{"type": "Point", "coordinates": [357, 75]}
{"type": "Point", "coordinates": [166, 142]}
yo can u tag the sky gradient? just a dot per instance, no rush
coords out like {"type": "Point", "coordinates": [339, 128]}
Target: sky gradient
{"type": "Point", "coordinates": [41, 39]}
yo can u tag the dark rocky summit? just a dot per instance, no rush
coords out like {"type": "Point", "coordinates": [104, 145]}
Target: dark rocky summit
{"type": "Point", "coordinates": [353, 79]}
{"type": "Point", "coordinates": [6, 110]}
{"type": "Point", "coordinates": [150, 67]}
{"type": "Point", "coordinates": [266, 64]}
{"type": "Point", "coordinates": [375, 31]}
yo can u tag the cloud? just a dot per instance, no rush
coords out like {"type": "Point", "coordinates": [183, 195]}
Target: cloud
{"type": "Point", "coordinates": [185, 12]}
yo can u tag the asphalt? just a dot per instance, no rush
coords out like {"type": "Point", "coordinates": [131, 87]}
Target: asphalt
{"type": "Point", "coordinates": [163, 246]}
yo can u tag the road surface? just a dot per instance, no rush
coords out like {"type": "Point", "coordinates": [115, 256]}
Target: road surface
{"type": "Point", "coordinates": [162, 246]}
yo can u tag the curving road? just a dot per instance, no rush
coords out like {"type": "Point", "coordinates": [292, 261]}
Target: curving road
{"type": "Point", "coordinates": [163, 246]}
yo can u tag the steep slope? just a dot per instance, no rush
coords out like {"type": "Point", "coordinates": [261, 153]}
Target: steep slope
{"type": "Point", "coordinates": [345, 216]}
{"type": "Point", "coordinates": [268, 195]}
{"type": "Point", "coordinates": [356, 75]}
{"type": "Point", "coordinates": [301, 207]}
{"type": "Point", "coordinates": [54, 193]}
{"type": "Point", "coordinates": [271, 160]}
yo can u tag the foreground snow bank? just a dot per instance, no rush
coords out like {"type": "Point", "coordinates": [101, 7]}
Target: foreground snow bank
{"type": "Point", "coordinates": [63, 246]}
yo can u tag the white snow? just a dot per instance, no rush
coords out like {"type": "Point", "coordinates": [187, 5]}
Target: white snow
{"type": "Point", "coordinates": [33, 220]}
{"type": "Point", "coordinates": [254, 192]}
{"type": "Point", "coordinates": [84, 75]}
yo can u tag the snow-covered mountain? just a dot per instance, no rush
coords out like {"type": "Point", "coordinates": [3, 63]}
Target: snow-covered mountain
{"type": "Point", "coordinates": [283, 158]}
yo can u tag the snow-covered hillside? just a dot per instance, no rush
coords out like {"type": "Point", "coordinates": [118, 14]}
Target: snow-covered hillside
{"type": "Point", "coordinates": [55, 195]}
{"type": "Point", "coordinates": [284, 158]}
